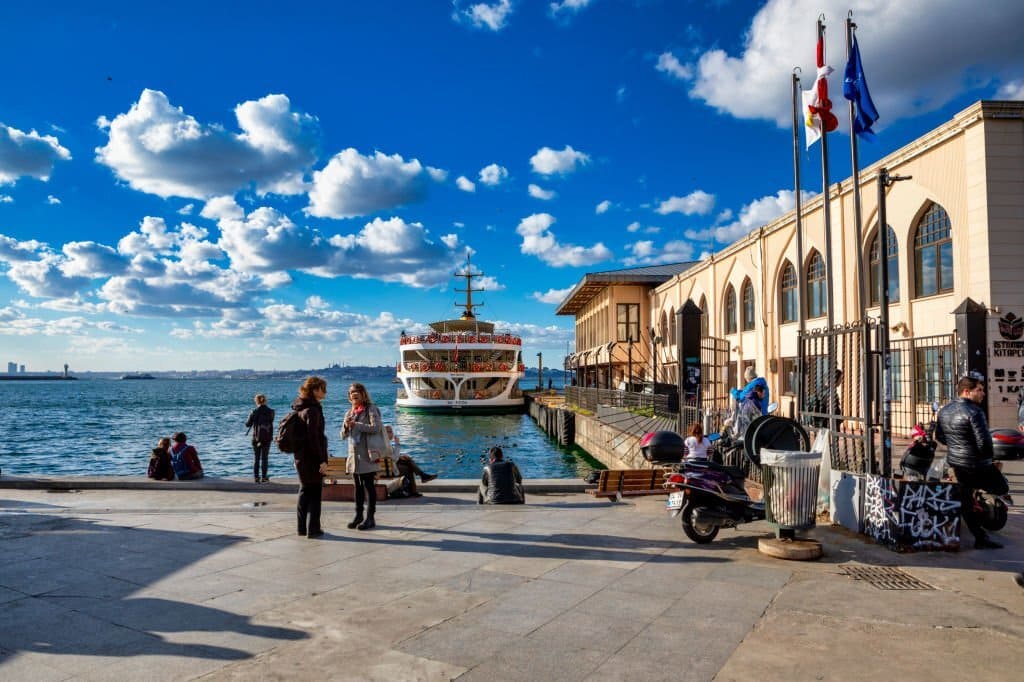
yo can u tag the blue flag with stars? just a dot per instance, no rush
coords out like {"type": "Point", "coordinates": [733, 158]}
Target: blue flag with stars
{"type": "Point", "coordinates": [855, 89]}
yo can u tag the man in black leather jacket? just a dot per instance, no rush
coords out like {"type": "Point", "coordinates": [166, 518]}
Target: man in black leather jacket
{"type": "Point", "coordinates": [501, 482]}
{"type": "Point", "coordinates": [963, 429]}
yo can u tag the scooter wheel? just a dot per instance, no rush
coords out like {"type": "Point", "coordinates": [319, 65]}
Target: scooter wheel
{"type": "Point", "coordinates": [701, 536]}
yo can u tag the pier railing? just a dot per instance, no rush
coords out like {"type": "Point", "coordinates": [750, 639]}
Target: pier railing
{"type": "Point", "coordinates": [590, 398]}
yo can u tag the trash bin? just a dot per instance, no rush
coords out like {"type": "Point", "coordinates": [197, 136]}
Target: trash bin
{"type": "Point", "coordinates": [790, 479]}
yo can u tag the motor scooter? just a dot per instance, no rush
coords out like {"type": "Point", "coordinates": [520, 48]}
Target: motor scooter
{"type": "Point", "coordinates": [708, 496]}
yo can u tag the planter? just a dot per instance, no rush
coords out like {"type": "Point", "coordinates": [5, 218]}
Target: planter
{"type": "Point", "coordinates": [910, 516]}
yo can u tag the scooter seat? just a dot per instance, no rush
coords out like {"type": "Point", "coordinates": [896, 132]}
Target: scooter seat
{"type": "Point", "coordinates": [732, 472]}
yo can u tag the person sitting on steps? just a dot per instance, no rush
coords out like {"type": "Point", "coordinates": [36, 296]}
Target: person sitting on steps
{"type": "Point", "coordinates": [407, 468]}
{"type": "Point", "coordinates": [501, 482]}
{"type": "Point", "coordinates": [185, 459]}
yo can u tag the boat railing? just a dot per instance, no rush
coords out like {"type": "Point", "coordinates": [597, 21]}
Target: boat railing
{"type": "Point", "coordinates": [462, 366]}
{"type": "Point", "coordinates": [461, 338]}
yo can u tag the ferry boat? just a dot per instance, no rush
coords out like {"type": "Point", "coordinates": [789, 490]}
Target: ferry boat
{"type": "Point", "coordinates": [461, 366]}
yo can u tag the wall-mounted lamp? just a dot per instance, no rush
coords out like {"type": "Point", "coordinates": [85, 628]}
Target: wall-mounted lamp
{"type": "Point", "coordinates": [735, 349]}
{"type": "Point", "coordinates": [902, 328]}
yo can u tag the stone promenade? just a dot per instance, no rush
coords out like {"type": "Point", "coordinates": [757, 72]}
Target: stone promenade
{"type": "Point", "coordinates": [127, 584]}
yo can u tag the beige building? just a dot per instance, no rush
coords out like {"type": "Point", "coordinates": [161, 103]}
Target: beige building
{"type": "Point", "coordinates": [957, 232]}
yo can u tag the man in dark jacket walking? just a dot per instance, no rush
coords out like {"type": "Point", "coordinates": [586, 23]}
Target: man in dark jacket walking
{"type": "Point", "coordinates": [501, 482]}
{"type": "Point", "coordinates": [963, 429]}
{"type": "Point", "coordinates": [261, 421]}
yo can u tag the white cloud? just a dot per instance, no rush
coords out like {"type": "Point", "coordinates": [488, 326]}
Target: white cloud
{"type": "Point", "coordinates": [219, 208]}
{"type": "Point", "coordinates": [755, 214]}
{"type": "Point", "coordinates": [52, 200]}
{"type": "Point", "coordinates": [43, 278]}
{"type": "Point", "coordinates": [465, 184]}
{"type": "Point", "coordinates": [698, 202]}
{"type": "Point", "coordinates": [668, 63]}
{"type": "Point", "coordinates": [907, 75]}
{"type": "Point", "coordinates": [539, 241]}
{"type": "Point", "coordinates": [493, 174]}
{"type": "Point", "coordinates": [644, 252]}
{"type": "Point", "coordinates": [186, 209]}
{"type": "Point", "coordinates": [92, 260]}
{"type": "Point", "coordinates": [488, 283]}
{"type": "Point", "coordinates": [28, 155]}
{"type": "Point", "coordinates": [538, 192]}
{"type": "Point", "coordinates": [1013, 90]}
{"type": "Point", "coordinates": [603, 207]}
{"type": "Point", "coordinates": [548, 161]}
{"type": "Point", "coordinates": [392, 250]}
{"type": "Point", "coordinates": [15, 323]}
{"type": "Point", "coordinates": [567, 6]}
{"type": "Point", "coordinates": [156, 148]}
{"type": "Point", "coordinates": [621, 93]}
{"type": "Point", "coordinates": [6, 199]}
{"type": "Point", "coordinates": [12, 250]}
{"type": "Point", "coordinates": [552, 296]}
{"type": "Point", "coordinates": [493, 16]}
{"type": "Point", "coordinates": [633, 227]}
{"type": "Point", "coordinates": [450, 240]}
{"type": "Point", "coordinates": [353, 185]}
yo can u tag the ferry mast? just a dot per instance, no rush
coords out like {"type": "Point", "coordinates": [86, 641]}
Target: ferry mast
{"type": "Point", "coordinates": [467, 312]}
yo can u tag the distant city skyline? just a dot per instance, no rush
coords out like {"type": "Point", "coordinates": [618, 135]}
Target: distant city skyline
{"type": "Point", "coordinates": [279, 186]}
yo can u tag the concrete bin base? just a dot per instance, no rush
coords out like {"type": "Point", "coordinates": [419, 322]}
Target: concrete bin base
{"type": "Point", "coordinates": [798, 549]}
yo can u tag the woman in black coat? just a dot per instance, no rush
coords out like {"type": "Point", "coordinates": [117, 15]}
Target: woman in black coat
{"type": "Point", "coordinates": [311, 455]}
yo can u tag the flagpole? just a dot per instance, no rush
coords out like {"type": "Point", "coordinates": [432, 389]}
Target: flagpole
{"type": "Point", "coordinates": [830, 378]}
{"type": "Point", "coordinates": [800, 274]}
{"type": "Point", "coordinates": [863, 299]}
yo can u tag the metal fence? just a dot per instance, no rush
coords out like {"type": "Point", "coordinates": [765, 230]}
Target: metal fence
{"type": "Point", "coordinates": [590, 398]}
{"type": "Point", "coordinates": [715, 401]}
{"type": "Point", "coordinates": [923, 372]}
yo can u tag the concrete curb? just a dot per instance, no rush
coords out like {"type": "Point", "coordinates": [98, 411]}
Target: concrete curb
{"type": "Point", "coordinates": [278, 485]}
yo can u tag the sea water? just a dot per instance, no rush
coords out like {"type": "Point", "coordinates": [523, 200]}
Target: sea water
{"type": "Point", "coordinates": [108, 427]}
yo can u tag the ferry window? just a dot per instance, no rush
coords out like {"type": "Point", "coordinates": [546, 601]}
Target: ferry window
{"type": "Point", "coordinates": [790, 298]}
{"type": "Point", "coordinates": [628, 321]}
{"type": "Point", "coordinates": [730, 310]}
{"type": "Point", "coordinates": [933, 253]}
{"type": "Point", "coordinates": [875, 268]}
{"type": "Point", "coordinates": [817, 304]}
{"type": "Point", "coordinates": [747, 292]}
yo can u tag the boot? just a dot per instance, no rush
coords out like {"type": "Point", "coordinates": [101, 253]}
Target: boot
{"type": "Point", "coordinates": [358, 520]}
{"type": "Point", "coordinates": [367, 524]}
{"type": "Point", "coordinates": [427, 478]}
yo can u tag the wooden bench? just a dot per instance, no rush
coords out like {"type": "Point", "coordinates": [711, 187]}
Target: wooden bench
{"type": "Point", "coordinates": [629, 483]}
{"type": "Point", "coordinates": [338, 485]}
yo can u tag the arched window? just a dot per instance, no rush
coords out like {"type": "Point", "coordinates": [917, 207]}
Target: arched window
{"type": "Point", "coordinates": [730, 310]}
{"type": "Point", "coordinates": [933, 253]}
{"type": "Point", "coordinates": [704, 316]}
{"type": "Point", "coordinates": [672, 327]}
{"type": "Point", "coordinates": [663, 332]}
{"type": "Point", "coordinates": [817, 303]}
{"type": "Point", "coordinates": [790, 294]}
{"type": "Point", "coordinates": [747, 296]}
{"type": "Point", "coordinates": [875, 268]}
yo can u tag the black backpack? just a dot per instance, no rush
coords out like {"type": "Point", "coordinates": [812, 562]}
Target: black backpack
{"type": "Point", "coordinates": [290, 432]}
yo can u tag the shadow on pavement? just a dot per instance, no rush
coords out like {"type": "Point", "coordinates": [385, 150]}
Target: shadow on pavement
{"type": "Point", "coordinates": [67, 586]}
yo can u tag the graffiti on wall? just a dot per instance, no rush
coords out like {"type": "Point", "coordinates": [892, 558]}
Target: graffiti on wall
{"type": "Point", "coordinates": [929, 516]}
{"type": "Point", "coordinates": [1006, 360]}
{"type": "Point", "coordinates": [908, 516]}
{"type": "Point", "coordinates": [880, 509]}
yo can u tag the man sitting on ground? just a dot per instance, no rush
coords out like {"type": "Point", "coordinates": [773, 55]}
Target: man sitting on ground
{"type": "Point", "coordinates": [407, 468]}
{"type": "Point", "coordinates": [501, 482]}
{"type": "Point", "coordinates": [185, 459]}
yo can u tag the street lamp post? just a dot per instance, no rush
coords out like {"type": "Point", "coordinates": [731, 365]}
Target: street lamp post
{"type": "Point", "coordinates": [540, 371]}
{"type": "Point", "coordinates": [629, 340]}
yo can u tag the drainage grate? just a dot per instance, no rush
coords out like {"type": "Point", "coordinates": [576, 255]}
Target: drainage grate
{"type": "Point", "coordinates": [886, 577]}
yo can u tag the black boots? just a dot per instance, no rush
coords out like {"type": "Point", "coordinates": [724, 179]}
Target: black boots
{"type": "Point", "coordinates": [427, 478]}
{"type": "Point", "coordinates": [367, 524]}
{"type": "Point", "coordinates": [356, 522]}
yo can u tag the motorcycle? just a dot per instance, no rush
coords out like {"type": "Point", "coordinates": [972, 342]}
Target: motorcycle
{"type": "Point", "coordinates": [919, 464]}
{"type": "Point", "coordinates": [707, 495]}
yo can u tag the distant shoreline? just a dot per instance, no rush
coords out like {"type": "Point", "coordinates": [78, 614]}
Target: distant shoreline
{"type": "Point", "coordinates": [37, 377]}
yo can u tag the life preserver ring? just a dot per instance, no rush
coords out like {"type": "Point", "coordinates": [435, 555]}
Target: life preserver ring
{"type": "Point", "coordinates": [470, 339]}
{"type": "Point", "coordinates": [476, 366]}
{"type": "Point", "coordinates": [436, 395]}
{"type": "Point", "coordinates": [445, 338]}
{"type": "Point", "coordinates": [488, 367]}
{"type": "Point", "coordinates": [424, 366]}
{"type": "Point", "coordinates": [503, 367]}
{"type": "Point", "coordinates": [484, 338]}
{"type": "Point", "coordinates": [438, 366]}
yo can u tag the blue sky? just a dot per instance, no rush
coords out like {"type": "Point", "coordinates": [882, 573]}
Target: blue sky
{"type": "Point", "coordinates": [286, 185]}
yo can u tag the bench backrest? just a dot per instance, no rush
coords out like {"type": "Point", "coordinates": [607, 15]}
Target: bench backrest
{"type": "Point", "coordinates": [336, 468]}
{"type": "Point", "coordinates": [624, 480]}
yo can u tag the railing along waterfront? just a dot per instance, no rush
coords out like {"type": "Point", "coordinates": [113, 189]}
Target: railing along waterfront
{"type": "Point", "coordinates": [590, 398]}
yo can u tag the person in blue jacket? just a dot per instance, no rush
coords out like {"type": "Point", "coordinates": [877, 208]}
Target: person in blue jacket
{"type": "Point", "coordinates": [753, 381]}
